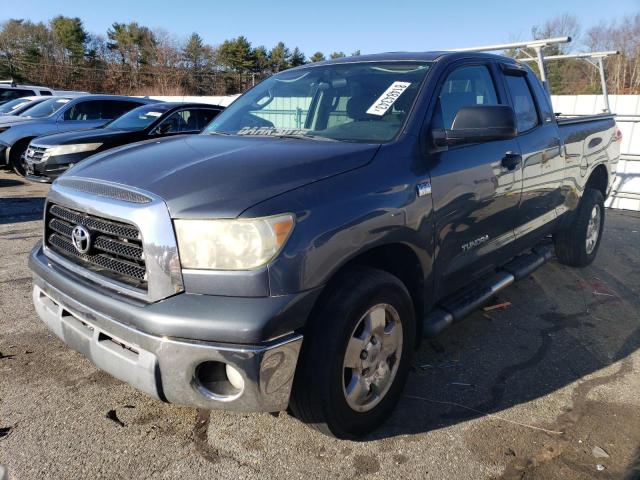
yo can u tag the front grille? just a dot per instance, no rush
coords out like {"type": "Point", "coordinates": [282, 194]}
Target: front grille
{"type": "Point", "coordinates": [35, 153]}
{"type": "Point", "coordinates": [116, 248]}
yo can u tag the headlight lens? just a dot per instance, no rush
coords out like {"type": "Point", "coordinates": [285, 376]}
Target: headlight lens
{"type": "Point", "coordinates": [75, 148]}
{"type": "Point", "coordinates": [231, 244]}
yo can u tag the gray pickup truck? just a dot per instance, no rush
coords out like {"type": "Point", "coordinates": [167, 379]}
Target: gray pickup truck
{"type": "Point", "coordinates": [294, 253]}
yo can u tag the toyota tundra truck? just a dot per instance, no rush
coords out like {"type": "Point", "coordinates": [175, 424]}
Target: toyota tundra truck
{"type": "Point", "coordinates": [293, 255]}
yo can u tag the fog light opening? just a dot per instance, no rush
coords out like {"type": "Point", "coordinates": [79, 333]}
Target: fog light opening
{"type": "Point", "coordinates": [218, 380]}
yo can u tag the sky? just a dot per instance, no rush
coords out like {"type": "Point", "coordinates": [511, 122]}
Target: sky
{"type": "Point", "coordinates": [331, 25]}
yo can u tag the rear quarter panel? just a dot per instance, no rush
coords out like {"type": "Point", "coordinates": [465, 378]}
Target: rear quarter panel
{"type": "Point", "coordinates": [588, 143]}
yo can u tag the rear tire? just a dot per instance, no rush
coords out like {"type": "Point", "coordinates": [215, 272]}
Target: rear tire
{"type": "Point", "coordinates": [16, 157]}
{"type": "Point", "coordinates": [577, 245]}
{"type": "Point", "coordinates": [355, 355]}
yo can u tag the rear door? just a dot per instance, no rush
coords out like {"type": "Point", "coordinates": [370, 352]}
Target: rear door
{"type": "Point", "coordinates": [540, 148]}
{"type": "Point", "coordinates": [475, 196]}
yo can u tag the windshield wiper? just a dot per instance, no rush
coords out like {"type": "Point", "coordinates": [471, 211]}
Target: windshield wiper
{"type": "Point", "coordinates": [307, 137]}
{"type": "Point", "coordinates": [220, 133]}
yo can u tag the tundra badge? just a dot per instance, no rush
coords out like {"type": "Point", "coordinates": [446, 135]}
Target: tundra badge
{"type": "Point", "coordinates": [475, 243]}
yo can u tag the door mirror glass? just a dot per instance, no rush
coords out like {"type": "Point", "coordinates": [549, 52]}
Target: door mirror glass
{"type": "Point", "coordinates": [477, 124]}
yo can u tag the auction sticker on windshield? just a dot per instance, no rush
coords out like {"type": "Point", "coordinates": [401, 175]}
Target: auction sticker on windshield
{"type": "Point", "coordinates": [388, 98]}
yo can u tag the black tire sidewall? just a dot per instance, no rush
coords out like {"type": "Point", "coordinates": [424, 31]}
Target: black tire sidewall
{"type": "Point", "coordinates": [342, 420]}
{"type": "Point", "coordinates": [17, 151]}
{"type": "Point", "coordinates": [570, 242]}
{"type": "Point", "coordinates": [591, 198]}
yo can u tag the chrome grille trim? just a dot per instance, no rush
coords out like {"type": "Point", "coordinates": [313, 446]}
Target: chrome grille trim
{"type": "Point", "coordinates": [104, 190]}
{"type": "Point", "coordinates": [35, 153]}
{"type": "Point", "coordinates": [119, 267]}
{"type": "Point", "coordinates": [94, 223]}
{"type": "Point", "coordinates": [153, 228]}
{"type": "Point", "coordinates": [111, 256]}
{"type": "Point", "coordinates": [122, 249]}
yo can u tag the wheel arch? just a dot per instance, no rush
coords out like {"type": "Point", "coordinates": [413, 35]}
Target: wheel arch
{"type": "Point", "coordinates": [599, 179]}
{"type": "Point", "coordinates": [398, 259]}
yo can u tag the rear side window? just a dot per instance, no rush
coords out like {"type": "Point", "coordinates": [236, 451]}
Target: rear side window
{"type": "Point", "coordinates": [116, 108]}
{"type": "Point", "coordinates": [84, 111]}
{"type": "Point", "coordinates": [45, 93]}
{"type": "Point", "coordinates": [523, 104]}
{"type": "Point", "coordinates": [466, 87]}
{"type": "Point", "coordinates": [206, 116]}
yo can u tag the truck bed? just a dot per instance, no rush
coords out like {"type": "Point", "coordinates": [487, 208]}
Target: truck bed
{"type": "Point", "coordinates": [569, 119]}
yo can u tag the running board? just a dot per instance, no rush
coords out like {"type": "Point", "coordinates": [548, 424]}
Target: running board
{"type": "Point", "coordinates": [456, 307]}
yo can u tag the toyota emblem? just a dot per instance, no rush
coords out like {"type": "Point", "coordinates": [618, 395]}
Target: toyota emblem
{"type": "Point", "coordinates": [81, 239]}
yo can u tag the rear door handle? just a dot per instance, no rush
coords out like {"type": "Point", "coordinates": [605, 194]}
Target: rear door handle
{"type": "Point", "coordinates": [511, 160]}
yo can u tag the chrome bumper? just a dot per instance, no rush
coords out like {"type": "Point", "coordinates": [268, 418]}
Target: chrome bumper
{"type": "Point", "coordinates": [165, 368]}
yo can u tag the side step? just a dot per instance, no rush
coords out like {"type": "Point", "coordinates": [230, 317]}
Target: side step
{"type": "Point", "coordinates": [459, 305]}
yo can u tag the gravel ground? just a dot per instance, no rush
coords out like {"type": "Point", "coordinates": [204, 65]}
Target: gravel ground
{"type": "Point", "coordinates": [548, 388]}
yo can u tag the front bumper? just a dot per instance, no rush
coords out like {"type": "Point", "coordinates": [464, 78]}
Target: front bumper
{"type": "Point", "coordinates": [45, 171]}
{"type": "Point", "coordinates": [165, 367]}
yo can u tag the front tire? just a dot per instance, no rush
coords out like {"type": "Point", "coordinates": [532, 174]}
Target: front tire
{"type": "Point", "coordinates": [577, 245]}
{"type": "Point", "coordinates": [16, 157]}
{"type": "Point", "coordinates": [355, 355]}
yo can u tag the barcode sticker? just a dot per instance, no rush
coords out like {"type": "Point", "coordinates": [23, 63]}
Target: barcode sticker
{"type": "Point", "coordinates": [388, 98]}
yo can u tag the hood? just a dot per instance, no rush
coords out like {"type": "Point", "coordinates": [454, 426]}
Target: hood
{"type": "Point", "coordinates": [8, 120]}
{"type": "Point", "coordinates": [93, 135]}
{"type": "Point", "coordinates": [203, 176]}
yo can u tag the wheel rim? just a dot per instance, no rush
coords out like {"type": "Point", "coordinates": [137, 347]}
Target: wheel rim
{"type": "Point", "coordinates": [372, 357]}
{"type": "Point", "coordinates": [593, 229]}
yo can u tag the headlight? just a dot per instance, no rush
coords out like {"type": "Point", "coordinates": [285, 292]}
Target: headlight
{"type": "Point", "coordinates": [234, 244]}
{"type": "Point", "coordinates": [68, 149]}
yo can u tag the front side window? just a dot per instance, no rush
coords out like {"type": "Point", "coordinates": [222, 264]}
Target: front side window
{"type": "Point", "coordinates": [353, 102]}
{"type": "Point", "coordinates": [181, 121]}
{"type": "Point", "coordinates": [45, 108]}
{"type": "Point", "coordinates": [465, 87]}
{"type": "Point", "coordinates": [523, 104]}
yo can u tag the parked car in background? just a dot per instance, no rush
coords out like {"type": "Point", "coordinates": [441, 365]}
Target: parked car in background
{"type": "Point", "coordinates": [59, 114]}
{"type": "Point", "coordinates": [19, 105]}
{"type": "Point", "coordinates": [49, 156]}
{"type": "Point", "coordinates": [10, 90]}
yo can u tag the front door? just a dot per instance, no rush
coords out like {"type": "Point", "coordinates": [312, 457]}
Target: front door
{"type": "Point", "coordinates": [475, 191]}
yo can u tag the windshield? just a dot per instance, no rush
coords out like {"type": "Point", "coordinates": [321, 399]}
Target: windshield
{"type": "Point", "coordinates": [355, 102]}
{"type": "Point", "coordinates": [138, 118]}
{"type": "Point", "coordinates": [46, 108]}
{"type": "Point", "coordinates": [13, 105]}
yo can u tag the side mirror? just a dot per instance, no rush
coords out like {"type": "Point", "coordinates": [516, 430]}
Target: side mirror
{"type": "Point", "coordinates": [477, 124]}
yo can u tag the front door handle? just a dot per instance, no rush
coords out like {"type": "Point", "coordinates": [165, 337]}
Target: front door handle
{"type": "Point", "coordinates": [511, 160]}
